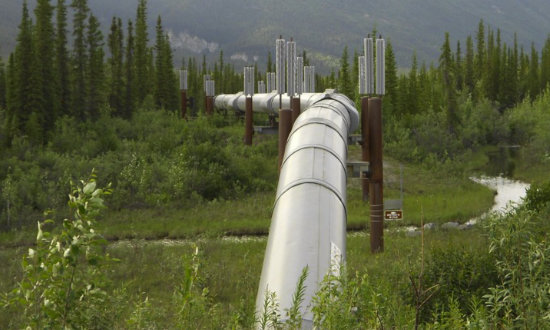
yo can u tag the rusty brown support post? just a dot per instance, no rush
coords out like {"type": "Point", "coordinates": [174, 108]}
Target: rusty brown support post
{"type": "Point", "coordinates": [183, 104]}
{"type": "Point", "coordinates": [295, 106]}
{"type": "Point", "coordinates": [248, 122]}
{"type": "Point", "coordinates": [365, 143]}
{"type": "Point", "coordinates": [209, 102]}
{"type": "Point", "coordinates": [377, 175]}
{"type": "Point", "coordinates": [285, 125]}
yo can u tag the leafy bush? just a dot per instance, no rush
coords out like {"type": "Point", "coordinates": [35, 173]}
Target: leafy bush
{"type": "Point", "coordinates": [63, 283]}
{"type": "Point", "coordinates": [519, 245]}
{"type": "Point", "coordinates": [462, 275]}
{"type": "Point", "coordinates": [537, 197]}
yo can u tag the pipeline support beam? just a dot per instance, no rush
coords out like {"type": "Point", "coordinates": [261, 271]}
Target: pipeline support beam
{"type": "Point", "coordinates": [365, 153]}
{"type": "Point", "coordinates": [248, 120]}
{"type": "Point", "coordinates": [377, 176]}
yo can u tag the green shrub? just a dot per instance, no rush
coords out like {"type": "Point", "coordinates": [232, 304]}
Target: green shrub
{"type": "Point", "coordinates": [63, 283]}
{"type": "Point", "coordinates": [461, 274]}
{"type": "Point", "coordinates": [537, 197]}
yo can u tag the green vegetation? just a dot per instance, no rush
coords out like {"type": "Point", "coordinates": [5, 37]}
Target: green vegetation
{"type": "Point", "coordinates": [194, 184]}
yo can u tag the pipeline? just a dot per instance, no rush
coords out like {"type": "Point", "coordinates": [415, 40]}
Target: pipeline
{"type": "Point", "coordinates": [269, 103]}
{"type": "Point", "coordinates": [308, 226]}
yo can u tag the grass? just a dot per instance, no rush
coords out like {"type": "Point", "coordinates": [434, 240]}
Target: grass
{"type": "Point", "coordinates": [230, 270]}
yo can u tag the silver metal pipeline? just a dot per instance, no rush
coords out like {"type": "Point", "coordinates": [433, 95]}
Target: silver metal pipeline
{"type": "Point", "coordinates": [308, 226]}
{"type": "Point", "coordinates": [266, 102]}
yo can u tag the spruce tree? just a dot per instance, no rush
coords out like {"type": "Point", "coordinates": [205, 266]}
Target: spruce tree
{"type": "Point", "coordinates": [160, 81]}
{"type": "Point", "coordinates": [172, 100]}
{"type": "Point", "coordinates": [469, 76]}
{"type": "Point", "coordinates": [545, 65]}
{"type": "Point", "coordinates": [447, 76]}
{"type": "Point", "coordinates": [95, 68]}
{"type": "Point", "coordinates": [412, 88]}
{"type": "Point", "coordinates": [44, 66]}
{"type": "Point", "coordinates": [142, 59]}
{"type": "Point", "coordinates": [523, 75]}
{"type": "Point", "coordinates": [11, 105]}
{"type": "Point", "coordinates": [165, 84]}
{"type": "Point", "coordinates": [3, 85]}
{"type": "Point", "coordinates": [129, 74]}
{"type": "Point", "coordinates": [481, 52]}
{"type": "Point", "coordinates": [62, 60]}
{"type": "Point", "coordinates": [344, 81]}
{"type": "Point", "coordinates": [80, 60]}
{"type": "Point", "coordinates": [459, 67]}
{"type": "Point", "coordinates": [534, 79]}
{"type": "Point", "coordinates": [22, 99]}
{"type": "Point", "coordinates": [391, 76]}
{"type": "Point", "coordinates": [269, 67]}
{"type": "Point", "coordinates": [116, 48]}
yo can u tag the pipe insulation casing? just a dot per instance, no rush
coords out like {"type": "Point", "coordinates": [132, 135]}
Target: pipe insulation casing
{"type": "Point", "coordinates": [290, 67]}
{"type": "Point", "coordinates": [308, 226]}
{"type": "Point", "coordinates": [380, 67]}
{"type": "Point", "coordinates": [299, 75]}
{"type": "Point", "coordinates": [369, 65]}
{"type": "Point", "coordinates": [183, 80]}
{"type": "Point", "coordinates": [280, 61]}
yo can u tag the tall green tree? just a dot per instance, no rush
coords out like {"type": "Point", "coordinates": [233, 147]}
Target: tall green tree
{"type": "Point", "coordinates": [11, 102]}
{"type": "Point", "coordinates": [3, 85]}
{"type": "Point", "coordinates": [80, 59]}
{"type": "Point", "coordinates": [116, 49]}
{"type": "Point", "coordinates": [534, 78]}
{"type": "Point", "coordinates": [165, 79]}
{"type": "Point", "coordinates": [62, 60]}
{"type": "Point", "coordinates": [412, 88]}
{"type": "Point", "coordinates": [306, 58]}
{"type": "Point", "coordinates": [22, 100]}
{"type": "Point", "coordinates": [545, 65]}
{"type": "Point", "coordinates": [480, 58]}
{"type": "Point", "coordinates": [459, 67]}
{"type": "Point", "coordinates": [95, 68]}
{"type": "Point", "coordinates": [344, 79]}
{"type": "Point", "coordinates": [469, 71]}
{"type": "Point", "coordinates": [447, 76]}
{"type": "Point", "coordinates": [269, 67]}
{"type": "Point", "coordinates": [47, 107]}
{"type": "Point", "coordinates": [143, 76]}
{"type": "Point", "coordinates": [129, 74]}
{"type": "Point", "coordinates": [391, 77]}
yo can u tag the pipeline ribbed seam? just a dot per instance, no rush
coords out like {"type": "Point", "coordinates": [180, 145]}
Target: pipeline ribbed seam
{"type": "Point", "coordinates": [329, 106]}
{"type": "Point", "coordinates": [313, 121]}
{"type": "Point", "coordinates": [315, 146]}
{"type": "Point", "coordinates": [314, 181]}
{"type": "Point", "coordinates": [335, 97]}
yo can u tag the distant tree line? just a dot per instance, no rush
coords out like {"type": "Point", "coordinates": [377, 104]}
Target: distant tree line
{"type": "Point", "coordinates": [45, 79]}
{"type": "Point", "coordinates": [487, 69]}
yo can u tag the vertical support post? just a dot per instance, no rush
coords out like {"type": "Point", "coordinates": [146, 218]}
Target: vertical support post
{"type": "Point", "coordinates": [285, 125]}
{"type": "Point", "coordinates": [377, 176]}
{"type": "Point", "coordinates": [248, 121]}
{"type": "Point", "coordinates": [183, 90]}
{"type": "Point", "coordinates": [183, 104]}
{"type": "Point", "coordinates": [209, 105]}
{"type": "Point", "coordinates": [210, 91]}
{"type": "Point", "coordinates": [365, 143]}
